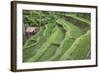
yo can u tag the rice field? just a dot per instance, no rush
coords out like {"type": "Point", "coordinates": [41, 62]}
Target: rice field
{"type": "Point", "coordinates": [56, 36]}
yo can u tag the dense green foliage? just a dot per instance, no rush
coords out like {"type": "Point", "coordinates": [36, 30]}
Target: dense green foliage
{"type": "Point", "coordinates": [60, 36]}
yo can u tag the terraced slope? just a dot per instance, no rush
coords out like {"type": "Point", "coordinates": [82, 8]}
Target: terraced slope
{"type": "Point", "coordinates": [60, 36]}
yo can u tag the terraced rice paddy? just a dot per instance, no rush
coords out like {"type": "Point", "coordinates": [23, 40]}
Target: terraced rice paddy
{"type": "Point", "coordinates": [59, 36]}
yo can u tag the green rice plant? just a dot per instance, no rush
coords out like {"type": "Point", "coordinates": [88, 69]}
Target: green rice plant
{"type": "Point", "coordinates": [28, 42]}
{"type": "Point", "coordinates": [52, 39]}
{"type": "Point", "coordinates": [60, 36]}
{"type": "Point", "coordinates": [74, 30]}
{"type": "Point", "coordinates": [49, 52]}
{"type": "Point", "coordinates": [78, 18]}
{"type": "Point", "coordinates": [79, 48]}
{"type": "Point", "coordinates": [69, 37]}
{"type": "Point", "coordinates": [30, 47]}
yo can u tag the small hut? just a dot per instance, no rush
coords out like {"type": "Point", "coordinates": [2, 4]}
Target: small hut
{"type": "Point", "coordinates": [30, 31]}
